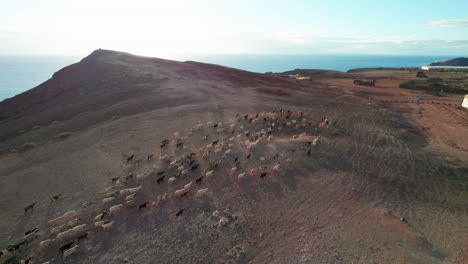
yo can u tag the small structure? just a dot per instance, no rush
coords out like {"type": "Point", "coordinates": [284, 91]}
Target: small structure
{"type": "Point", "coordinates": [364, 82]}
{"type": "Point", "coordinates": [465, 102]}
{"type": "Point", "coordinates": [445, 68]}
{"type": "Point", "coordinates": [421, 75]}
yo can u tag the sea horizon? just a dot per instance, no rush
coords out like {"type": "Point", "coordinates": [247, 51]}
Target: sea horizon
{"type": "Point", "coordinates": [19, 73]}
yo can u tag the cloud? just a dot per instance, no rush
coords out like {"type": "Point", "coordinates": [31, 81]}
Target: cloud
{"type": "Point", "coordinates": [449, 23]}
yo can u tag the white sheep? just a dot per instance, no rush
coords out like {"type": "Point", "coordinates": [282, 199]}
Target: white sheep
{"type": "Point", "coordinates": [70, 251]}
{"type": "Point", "coordinates": [209, 173]}
{"type": "Point", "coordinates": [179, 193]}
{"type": "Point", "coordinates": [276, 167]}
{"type": "Point", "coordinates": [46, 244]}
{"type": "Point", "coordinates": [72, 232]}
{"type": "Point", "coordinates": [129, 191]}
{"type": "Point", "coordinates": [241, 176]}
{"type": "Point", "coordinates": [172, 179]}
{"type": "Point", "coordinates": [115, 209]}
{"type": "Point", "coordinates": [107, 200]}
{"type": "Point", "coordinates": [202, 192]}
{"type": "Point", "coordinates": [184, 172]}
{"type": "Point", "coordinates": [130, 197]}
{"type": "Point", "coordinates": [62, 219]}
{"type": "Point", "coordinates": [187, 186]}
{"type": "Point", "coordinates": [107, 226]}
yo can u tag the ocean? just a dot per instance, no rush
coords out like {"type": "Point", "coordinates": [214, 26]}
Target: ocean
{"type": "Point", "coordinates": [21, 73]}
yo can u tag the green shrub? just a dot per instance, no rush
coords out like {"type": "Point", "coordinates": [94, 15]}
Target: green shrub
{"type": "Point", "coordinates": [55, 122]}
{"type": "Point", "coordinates": [63, 135]}
{"type": "Point", "coordinates": [28, 145]}
{"type": "Point", "coordinates": [36, 127]}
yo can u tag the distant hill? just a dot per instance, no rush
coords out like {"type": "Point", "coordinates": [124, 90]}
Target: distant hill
{"type": "Point", "coordinates": [452, 62]}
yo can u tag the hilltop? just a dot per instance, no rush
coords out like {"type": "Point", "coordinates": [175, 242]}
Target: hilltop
{"type": "Point", "coordinates": [453, 62]}
{"type": "Point", "coordinates": [121, 158]}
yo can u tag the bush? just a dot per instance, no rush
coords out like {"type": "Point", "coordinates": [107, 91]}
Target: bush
{"type": "Point", "coordinates": [36, 127]}
{"type": "Point", "coordinates": [28, 145]}
{"type": "Point", "coordinates": [63, 135]}
{"type": "Point", "coordinates": [55, 122]}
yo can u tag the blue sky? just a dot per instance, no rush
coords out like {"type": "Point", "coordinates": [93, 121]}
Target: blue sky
{"type": "Point", "coordinates": [171, 27]}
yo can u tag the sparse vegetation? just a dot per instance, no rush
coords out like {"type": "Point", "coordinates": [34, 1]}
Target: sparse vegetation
{"type": "Point", "coordinates": [55, 122]}
{"type": "Point", "coordinates": [63, 135]}
{"type": "Point", "coordinates": [28, 145]}
{"type": "Point", "coordinates": [115, 117]}
{"type": "Point", "coordinates": [36, 127]}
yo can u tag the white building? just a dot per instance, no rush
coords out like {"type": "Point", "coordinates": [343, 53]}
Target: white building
{"type": "Point", "coordinates": [442, 68]}
{"type": "Point", "coordinates": [465, 102]}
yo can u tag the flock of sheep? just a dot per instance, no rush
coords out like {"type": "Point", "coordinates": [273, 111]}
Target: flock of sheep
{"type": "Point", "coordinates": [228, 151]}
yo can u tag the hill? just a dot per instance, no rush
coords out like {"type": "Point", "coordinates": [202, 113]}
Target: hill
{"type": "Point", "coordinates": [128, 159]}
{"type": "Point", "coordinates": [452, 62]}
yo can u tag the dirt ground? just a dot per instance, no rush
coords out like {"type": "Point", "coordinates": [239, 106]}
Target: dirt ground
{"type": "Point", "coordinates": [316, 207]}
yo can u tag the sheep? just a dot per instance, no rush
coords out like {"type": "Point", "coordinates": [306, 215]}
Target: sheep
{"type": "Point", "coordinates": [98, 224]}
{"type": "Point", "coordinates": [29, 208]}
{"type": "Point", "coordinates": [316, 141]}
{"type": "Point", "coordinates": [30, 235]}
{"type": "Point", "coordinates": [241, 175]}
{"type": "Point", "coordinates": [56, 197]}
{"type": "Point", "coordinates": [205, 138]}
{"type": "Point", "coordinates": [180, 193]}
{"type": "Point", "coordinates": [130, 190]}
{"type": "Point", "coordinates": [179, 213]}
{"type": "Point", "coordinates": [164, 158]}
{"type": "Point", "coordinates": [72, 232]}
{"type": "Point", "coordinates": [130, 197]}
{"type": "Point", "coordinates": [199, 180]}
{"type": "Point", "coordinates": [262, 159]}
{"type": "Point", "coordinates": [46, 244]}
{"type": "Point", "coordinates": [276, 156]}
{"type": "Point", "coordinates": [86, 205]}
{"type": "Point", "coordinates": [115, 209]}
{"type": "Point", "coordinates": [143, 205]}
{"type": "Point", "coordinates": [160, 179]}
{"type": "Point", "coordinates": [183, 172]}
{"type": "Point", "coordinates": [107, 225]}
{"type": "Point", "coordinates": [209, 173]}
{"type": "Point", "coordinates": [249, 155]}
{"type": "Point", "coordinates": [150, 156]}
{"type": "Point", "coordinates": [130, 202]}
{"type": "Point", "coordinates": [62, 219]}
{"type": "Point", "coordinates": [308, 152]}
{"type": "Point", "coordinates": [227, 151]}
{"type": "Point", "coordinates": [202, 192]}
{"type": "Point", "coordinates": [171, 180]}
{"type": "Point", "coordinates": [100, 216]}
{"type": "Point", "coordinates": [233, 169]}
{"type": "Point", "coordinates": [107, 200]}
{"type": "Point", "coordinates": [130, 158]}
{"type": "Point", "coordinates": [113, 180]}
{"type": "Point", "coordinates": [128, 177]}
{"type": "Point", "coordinates": [84, 236]}
{"type": "Point", "coordinates": [66, 247]}
{"type": "Point", "coordinates": [187, 186]}
{"type": "Point", "coordinates": [180, 168]}
{"type": "Point", "coordinates": [276, 167]}
{"type": "Point", "coordinates": [263, 175]}
{"type": "Point", "coordinates": [194, 167]}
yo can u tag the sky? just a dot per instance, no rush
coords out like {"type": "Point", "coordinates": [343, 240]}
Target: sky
{"type": "Point", "coordinates": [171, 27]}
